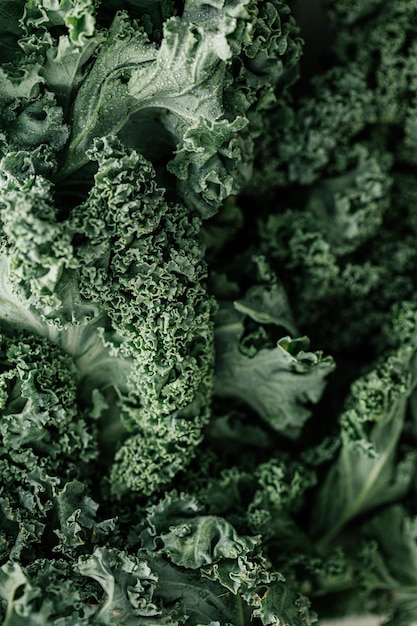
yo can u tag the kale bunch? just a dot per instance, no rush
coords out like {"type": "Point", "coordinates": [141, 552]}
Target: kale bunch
{"type": "Point", "coordinates": [187, 204]}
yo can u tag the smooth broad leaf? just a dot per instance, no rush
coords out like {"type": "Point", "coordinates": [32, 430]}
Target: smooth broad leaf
{"type": "Point", "coordinates": [25, 85]}
{"type": "Point", "coordinates": [12, 578]}
{"type": "Point", "coordinates": [267, 304]}
{"type": "Point", "coordinates": [205, 601]}
{"type": "Point", "coordinates": [280, 384]}
{"type": "Point", "coordinates": [15, 310]}
{"type": "Point", "coordinates": [10, 13]}
{"type": "Point", "coordinates": [202, 601]}
{"type": "Point", "coordinates": [63, 69]}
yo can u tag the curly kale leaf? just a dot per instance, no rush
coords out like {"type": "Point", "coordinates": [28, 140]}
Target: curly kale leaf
{"type": "Point", "coordinates": [46, 439]}
{"type": "Point", "coordinates": [48, 591]}
{"type": "Point", "coordinates": [37, 249]}
{"type": "Point", "coordinates": [140, 261]}
{"type": "Point", "coordinates": [130, 589]}
{"type": "Point", "coordinates": [119, 284]}
{"type": "Point", "coordinates": [347, 13]}
{"type": "Point", "coordinates": [203, 552]}
{"type": "Point", "coordinates": [192, 87]}
{"type": "Point", "coordinates": [368, 470]}
{"type": "Point", "coordinates": [389, 564]}
{"type": "Point", "coordinates": [62, 36]}
{"type": "Point", "coordinates": [222, 578]}
{"type": "Point", "coordinates": [56, 40]}
{"type": "Point", "coordinates": [277, 383]}
{"type": "Point", "coordinates": [303, 142]}
{"type": "Point", "coordinates": [384, 48]}
{"type": "Point", "coordinates": [331, 250]}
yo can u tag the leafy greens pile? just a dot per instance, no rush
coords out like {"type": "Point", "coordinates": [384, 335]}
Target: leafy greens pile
{"type": "Point", "coordinates": [184, 199]}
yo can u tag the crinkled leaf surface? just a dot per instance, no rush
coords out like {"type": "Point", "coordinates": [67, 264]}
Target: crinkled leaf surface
{"type": "Point", "coordinates": [278, 384]}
